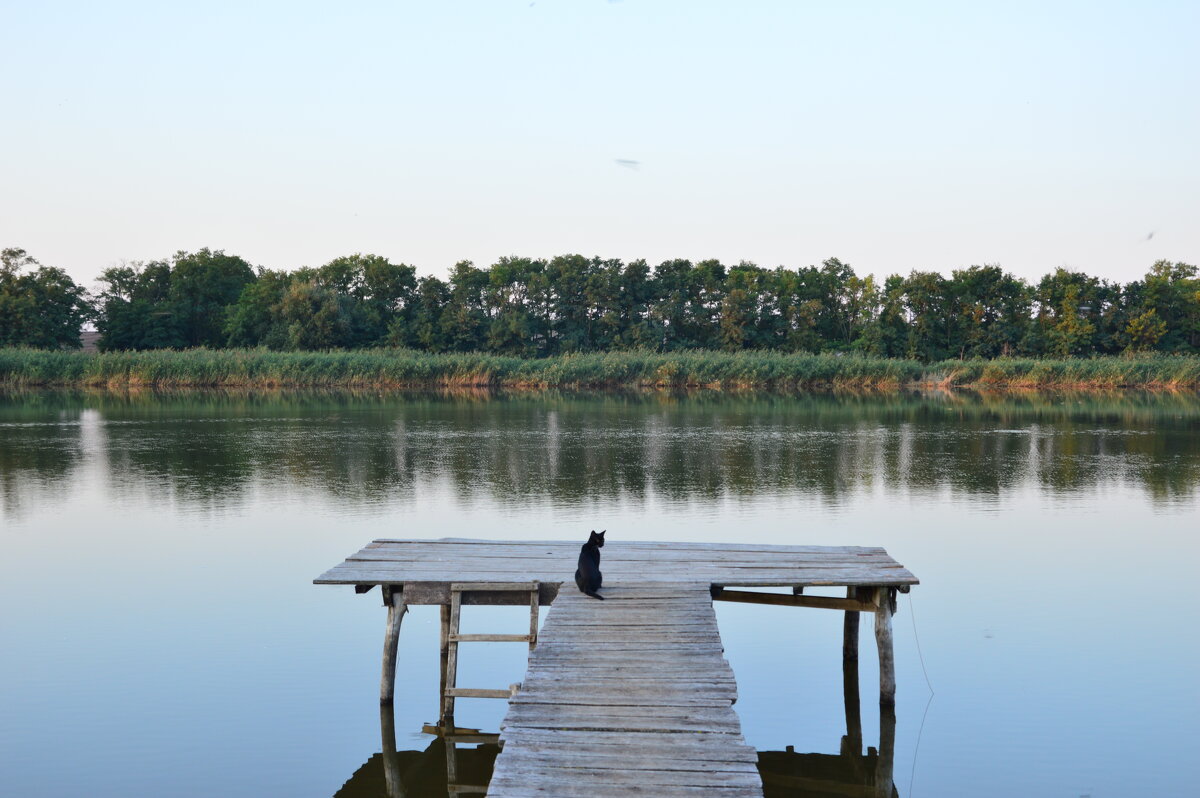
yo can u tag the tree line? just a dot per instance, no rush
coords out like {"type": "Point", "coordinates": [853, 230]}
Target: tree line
{"type": "Point", "coordinates": [539, 307]}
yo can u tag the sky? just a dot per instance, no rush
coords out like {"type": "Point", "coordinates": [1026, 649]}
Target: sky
{"type": "Point", "coordinates": [894, 136]}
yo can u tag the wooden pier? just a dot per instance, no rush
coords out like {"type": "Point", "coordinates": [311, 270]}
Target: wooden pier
{"type": "Point", "coordinates": [631, 695]}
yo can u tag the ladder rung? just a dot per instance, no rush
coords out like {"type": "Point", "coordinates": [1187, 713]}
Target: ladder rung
{"type": "Point", "coordinates": [474, 692]}
{"type": "Point", "coordinates": [465, 739]}
{"type": "Point", "coordinates": [461, 734]}
{"type": "Point", "coordinates": [523, 587]}
{"type": "Point", "coordinates": [489, 638]}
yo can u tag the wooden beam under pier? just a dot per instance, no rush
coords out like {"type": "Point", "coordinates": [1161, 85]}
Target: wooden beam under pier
{"type": "Point", "coordinates": [784, 600]}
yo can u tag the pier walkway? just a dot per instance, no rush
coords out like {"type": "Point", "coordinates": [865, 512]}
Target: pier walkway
{"type": "Point", "coordinates": [631, 695]}
{"type": "Point", "coordinates": [627, 696]}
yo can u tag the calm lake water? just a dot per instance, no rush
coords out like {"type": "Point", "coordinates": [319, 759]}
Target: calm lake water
{"type": "Point", "coordinates": [161, 635]}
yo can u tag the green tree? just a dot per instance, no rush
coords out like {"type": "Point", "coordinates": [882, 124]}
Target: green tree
{"type": "Point", "coordinates": [40, 306]}
{"type": "Point", "coordinates": [203, 286]}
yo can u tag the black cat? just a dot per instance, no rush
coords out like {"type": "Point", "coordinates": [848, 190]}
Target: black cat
{"type": "Point", "coordinates": [587, 575]}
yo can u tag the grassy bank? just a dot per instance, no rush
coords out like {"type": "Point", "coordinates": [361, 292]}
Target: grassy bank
{"type": "Point", "coordinates": [391, 368]}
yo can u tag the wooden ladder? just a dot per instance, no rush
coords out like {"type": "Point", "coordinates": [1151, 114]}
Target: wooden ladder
{"type": "Point", "coordinates": [452, 637]}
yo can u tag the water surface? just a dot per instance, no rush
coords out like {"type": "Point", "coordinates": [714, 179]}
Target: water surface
{"type": "Point", "coordinates": [162, 635]}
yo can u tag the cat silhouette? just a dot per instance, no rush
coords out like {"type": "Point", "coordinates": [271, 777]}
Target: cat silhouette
{"type": "Point", "coordinates": [587, 575]}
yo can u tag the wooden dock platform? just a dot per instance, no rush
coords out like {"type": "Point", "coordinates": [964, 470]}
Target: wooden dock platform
{"type": "Point", "coordinates": [631, 695]}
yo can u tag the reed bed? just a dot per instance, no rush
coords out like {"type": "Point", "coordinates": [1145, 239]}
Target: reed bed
{"type": "Point", "coordinates": [384, 368]}
{"type": "Point", "coordinates": [1155, 372]}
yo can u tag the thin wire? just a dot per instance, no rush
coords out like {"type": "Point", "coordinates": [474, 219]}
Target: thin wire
{"type": "Point", "coordinates": [917, 749]}
{"type": "Point", "coordinates": [913, 773]}
{"type": "Point", "coordinates": [917, 637]}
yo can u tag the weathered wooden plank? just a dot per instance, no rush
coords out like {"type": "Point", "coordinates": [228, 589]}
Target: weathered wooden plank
{"type": "Point", "coordinates": [546, 679]}
{"type": "Point", "coordinates": [617, 652]}
{"type": "Point", "coordinates": [603, 686]}
{"type": "Point", "coordinates": [438, 592]}
{"type": "Point", "coordinates": [575, 774]}
{"type": "Point", "coordinates": [525, 757]}
{"type": "Point", "coordinates": [683, 723]}
{"type": "Point", "coordinates": [632, 702]}
{"type": "Point", "coordinates": [553, 692]}
{"type": "Point", "coordinates": [732, 576]}
{"type": "Point", "coordinates": [624, 545]}
{"type": "Point", "coordinates": [521, 789]}
{"type": "Point", "coordinates": [666, 744]}
{"type": "Point", "coordinates": [489, 638]}
{"type": "Point", "coordinates": [650, 701]}
{"type": "Point", "coordinates": [648, 572]}
{"type": "Point", "coordinates": [609, 640]}
{"type": "Point", "coordinates": [477, 692]}
{"type": "Point", "coordinates": [648, 613]}
{"type": "Point", "coordinates": [384, 573]}
{"type": "Point", "coordinates": [463, 585]}
{"type": "Point", "coordinates": [497, 559]}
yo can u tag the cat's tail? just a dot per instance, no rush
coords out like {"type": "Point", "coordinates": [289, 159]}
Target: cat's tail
{"type": "Point", "coordinates": [595, 595]}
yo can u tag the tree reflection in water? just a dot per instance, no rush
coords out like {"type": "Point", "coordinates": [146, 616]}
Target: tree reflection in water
{"type": "Point", "coordinates": [208, 448]}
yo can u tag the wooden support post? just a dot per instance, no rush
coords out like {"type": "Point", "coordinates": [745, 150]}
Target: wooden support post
{"type": "Point", "coordinates": [883, 640]}
{"type": "Point", "coordinates": [451, 660]}
{"type": "Point", "coordinates": [391, 759]}
{"type": "Point", "coordinates": [394, 599]}
{"type": "Point", "coordinates": [850, 678]}
{"type": "Point", "coordinates": [445, 652]}
{"type": "Point", "coordinates": [451, 766]}
{"type": "Point", "coordinates": [533, 615]}
{"type": "Point", "coordinates": [887, 753]}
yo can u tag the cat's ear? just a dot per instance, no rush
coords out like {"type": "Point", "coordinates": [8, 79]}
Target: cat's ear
{"type": "Point", "coordinates": [602, 533]}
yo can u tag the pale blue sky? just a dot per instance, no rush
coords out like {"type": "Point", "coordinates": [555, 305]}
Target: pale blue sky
{"type": "Point", "coordinates": [892, 135]}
